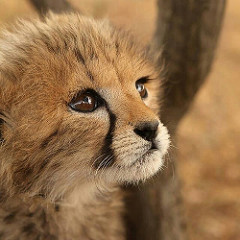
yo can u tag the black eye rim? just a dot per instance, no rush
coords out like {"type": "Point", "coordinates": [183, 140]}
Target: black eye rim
{"type": "Point", "coordinates": [98, 103]}
{"type": "Point", "coordinates": [142, 81]}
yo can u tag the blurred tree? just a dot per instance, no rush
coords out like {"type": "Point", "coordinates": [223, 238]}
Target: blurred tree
{"type": "Point", "coordinates": [188, 30]}
{"type": "Point", "coordinates": [56, 6]}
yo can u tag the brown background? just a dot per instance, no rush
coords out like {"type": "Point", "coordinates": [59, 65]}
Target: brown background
{"type": "Point", "coordinates": [209, 136]}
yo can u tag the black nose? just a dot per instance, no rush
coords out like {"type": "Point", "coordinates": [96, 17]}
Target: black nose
{"type": "Point", "coordinates": [147, 130]}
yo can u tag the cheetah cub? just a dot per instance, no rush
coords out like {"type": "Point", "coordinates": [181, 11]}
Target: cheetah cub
{"type": "Point", "coordinates": [77, 119]}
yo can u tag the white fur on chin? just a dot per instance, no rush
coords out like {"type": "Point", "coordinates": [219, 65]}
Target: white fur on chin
{"type": "Point", "coordinates": [145, 167]}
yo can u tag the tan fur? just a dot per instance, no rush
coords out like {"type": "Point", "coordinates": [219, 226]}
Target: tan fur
{"type": "Point", "coordinates": [49, 188]}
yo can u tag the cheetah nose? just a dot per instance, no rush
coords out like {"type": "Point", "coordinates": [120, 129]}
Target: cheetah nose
{"type": "Point", "coordinates": [147, 130]}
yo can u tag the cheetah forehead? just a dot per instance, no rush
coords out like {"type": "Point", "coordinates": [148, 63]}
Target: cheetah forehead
{"type": "Point", "coordinates": [88, 39]}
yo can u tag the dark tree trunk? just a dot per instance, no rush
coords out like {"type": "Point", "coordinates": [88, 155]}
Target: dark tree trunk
{"type": "Point", "coordinates": [57, 6]}
{"type": "Point", "coordinates": [188, 31]}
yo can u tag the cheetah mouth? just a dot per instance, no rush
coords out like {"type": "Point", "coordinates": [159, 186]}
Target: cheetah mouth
{"type": "Point", "coordinates": [146, 157]}
{"type": "Point", "coordinates": [154, 146]}
{"type": "Point", "coordinates": [140, 167]}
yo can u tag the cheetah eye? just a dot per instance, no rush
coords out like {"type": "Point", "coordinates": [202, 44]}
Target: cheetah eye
{"type": "Point", "coordinates": [141, 88]}
{"type": "Point", "coordinates": [86, 101]}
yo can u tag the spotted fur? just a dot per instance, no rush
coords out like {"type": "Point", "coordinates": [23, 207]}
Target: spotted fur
{"type": "Point", "coordinates": [60, 169]}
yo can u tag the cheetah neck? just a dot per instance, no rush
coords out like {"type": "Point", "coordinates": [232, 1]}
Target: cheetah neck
{"type": "Point", "coordinates": [78, 214]}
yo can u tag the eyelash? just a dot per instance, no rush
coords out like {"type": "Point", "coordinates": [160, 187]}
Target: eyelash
{"type": "Point", "coordinates": [143, 80]}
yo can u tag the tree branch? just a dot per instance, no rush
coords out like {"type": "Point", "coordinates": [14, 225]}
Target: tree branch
{"type": "Point", "coordinates": [188, 30]}
{"type": "Point", "coordinates": [57, 6]}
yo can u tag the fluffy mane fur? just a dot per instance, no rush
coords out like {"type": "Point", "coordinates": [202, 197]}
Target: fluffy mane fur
{"type": "Point", "coordinates": [60, 169]}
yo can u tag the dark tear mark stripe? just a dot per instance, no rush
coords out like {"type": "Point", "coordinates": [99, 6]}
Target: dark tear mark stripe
{"type": "Point", "coordinates": [79, 56]}
{"type": "Point", "coordinates": [107, 152]}
{"type": "Point", "coordinates": [10, 218]}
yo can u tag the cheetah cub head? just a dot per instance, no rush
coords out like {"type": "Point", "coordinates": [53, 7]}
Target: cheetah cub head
{"type": "Point", "coordinates": [78, 101]}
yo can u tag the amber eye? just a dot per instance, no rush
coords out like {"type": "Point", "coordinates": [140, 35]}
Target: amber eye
{"type": "Point", "coordinates": [85, 102]}
{"type": "Point", "coordinates": [141, 89]}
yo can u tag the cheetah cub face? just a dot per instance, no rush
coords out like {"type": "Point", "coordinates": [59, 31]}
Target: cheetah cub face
{"type": "Point", "coordinates": [77, 102]}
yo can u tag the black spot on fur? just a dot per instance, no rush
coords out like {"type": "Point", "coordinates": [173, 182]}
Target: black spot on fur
{"type": "Point", "coordinates": [41, 195]}
{"type": "Point", "coordinates": [49, 47]}
{"type": "Point", "coordinates": [70, 152]}
{"type": "Point", "coordinates": [56, 165]}
{"type": "Point", "coordinates": [90, 75]}
{"type": "Point", "coordinates": [57, 208]}
{"type": "Point", "coordinates": [31, 214]}
{"type": "Point", "coordinates": [65, 45]}
{"type": "Point", "coordinates": [22, 177]}
{"type": "Point", "coordinates": [93, 55]}
{"type": "Point", "coordinates": [55, 49]}
{"type": "Point", "coordinates": [1, 113]}
{"type": "Point", "coordinates": [9, 75]}
{"type": "Point", "coordinates": [26, 171]}
{"type": "Point", "coordinates": [44, 219]}
{"type": "Point", "coordinates": [80, 59]}
{"type": "Point", "coordinates": [79, 56]}
{"type": "Point", "coordinates": [72, 36]}
{"type": "Point", "coordinates": [10, 218]}
{"type": "Point", "coordinates": [46, 141]}
{"type": "Point", "coordinates": [3, 195]}
{"type": "Point", "coordinates": [117, 48]}
{"type": "Point", "coordinates": [29, 228]}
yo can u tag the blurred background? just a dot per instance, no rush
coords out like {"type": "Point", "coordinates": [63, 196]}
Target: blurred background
{"type": "Point", "coordinates": [209, 135]}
